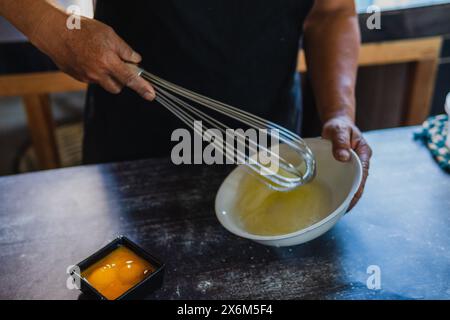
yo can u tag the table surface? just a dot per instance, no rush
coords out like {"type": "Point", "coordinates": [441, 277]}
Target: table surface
{"type": "Point", "coordinates": [54, 219]}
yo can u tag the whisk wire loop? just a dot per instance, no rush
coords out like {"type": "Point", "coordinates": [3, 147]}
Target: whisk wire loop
{"type": "Point", "coordinates": [185, 104]}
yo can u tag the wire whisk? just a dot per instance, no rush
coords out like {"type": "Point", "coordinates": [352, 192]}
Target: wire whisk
{"type": "Point", "coordinates": [280, 170]}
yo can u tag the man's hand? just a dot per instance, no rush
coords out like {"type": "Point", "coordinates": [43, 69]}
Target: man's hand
{"type": "Point", "coordinates": [93, 54]}
{"type": "Point", "coordinates": [332, 42]}
{"type": "Point", "coordinates": [344, 136]}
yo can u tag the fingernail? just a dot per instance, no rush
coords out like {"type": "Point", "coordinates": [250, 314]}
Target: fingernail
{"type": "Point", "coordinates": [149, 96]}
{"type": "Point", "coordinates": [343, 155]}
{"type": "Point", "coordinates": [136, 57]}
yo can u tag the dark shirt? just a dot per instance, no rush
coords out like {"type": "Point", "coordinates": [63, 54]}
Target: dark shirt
{"type": "Point", "coordinates": [241, 52]}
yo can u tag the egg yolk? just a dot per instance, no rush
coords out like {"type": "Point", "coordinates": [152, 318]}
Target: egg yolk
{"type": "Point", "coordinates": [101, 276]}
{"type": "Point", "coordinates": [118, 272]}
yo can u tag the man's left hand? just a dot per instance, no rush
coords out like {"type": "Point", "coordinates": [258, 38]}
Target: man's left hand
{"type": "Point", "coordinates": [344, 135]}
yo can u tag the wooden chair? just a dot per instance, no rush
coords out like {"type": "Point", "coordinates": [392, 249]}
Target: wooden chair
{"type": "Point", "coordinates": [35, 90]}
{"type": "Point", "coordinates": [422, 55]}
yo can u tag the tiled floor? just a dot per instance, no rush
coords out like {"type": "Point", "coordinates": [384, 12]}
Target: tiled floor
{"type": "Point", "coordinates": [14, 135]}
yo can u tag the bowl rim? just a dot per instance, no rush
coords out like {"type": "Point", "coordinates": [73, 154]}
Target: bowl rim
{"type": "Point", "coordinates": [331, 216]}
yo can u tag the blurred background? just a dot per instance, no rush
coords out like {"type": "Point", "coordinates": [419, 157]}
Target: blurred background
{"type": "Point", "coordinates": [403, 78]}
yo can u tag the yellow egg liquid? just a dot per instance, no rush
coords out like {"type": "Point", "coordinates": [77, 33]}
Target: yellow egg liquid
{"type": "Point", "coordinates": [118, 272]}
{"type": "Point", "coordinates": [260, 210]}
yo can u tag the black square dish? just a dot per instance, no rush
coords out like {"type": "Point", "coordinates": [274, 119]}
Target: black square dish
{"type": "Point", "coordinates": [148, 285]}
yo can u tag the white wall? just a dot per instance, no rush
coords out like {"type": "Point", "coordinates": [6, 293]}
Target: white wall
{"type": "Point", "coordinates": [9, 34]}
{"type": "Point", "coordinates": [85, 6]}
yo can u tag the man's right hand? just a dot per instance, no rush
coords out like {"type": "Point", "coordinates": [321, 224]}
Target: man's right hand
{"type": "Point", "coordinates": [94, 53]}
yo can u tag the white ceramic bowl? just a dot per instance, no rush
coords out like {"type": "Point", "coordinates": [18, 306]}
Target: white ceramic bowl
{"type": "Point", "coordinates": [343, 179]}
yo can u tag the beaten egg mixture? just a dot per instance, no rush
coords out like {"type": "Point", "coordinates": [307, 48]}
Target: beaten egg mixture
{"type": "Point", "coordinates": [262, 211]}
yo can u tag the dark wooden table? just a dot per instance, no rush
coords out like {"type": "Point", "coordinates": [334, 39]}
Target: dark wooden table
{"type": "Point", "coordinates": [53, 219]}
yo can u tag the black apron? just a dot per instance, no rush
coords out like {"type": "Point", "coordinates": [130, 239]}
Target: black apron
{"type": "Point", "coordinates": [241, 52]}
